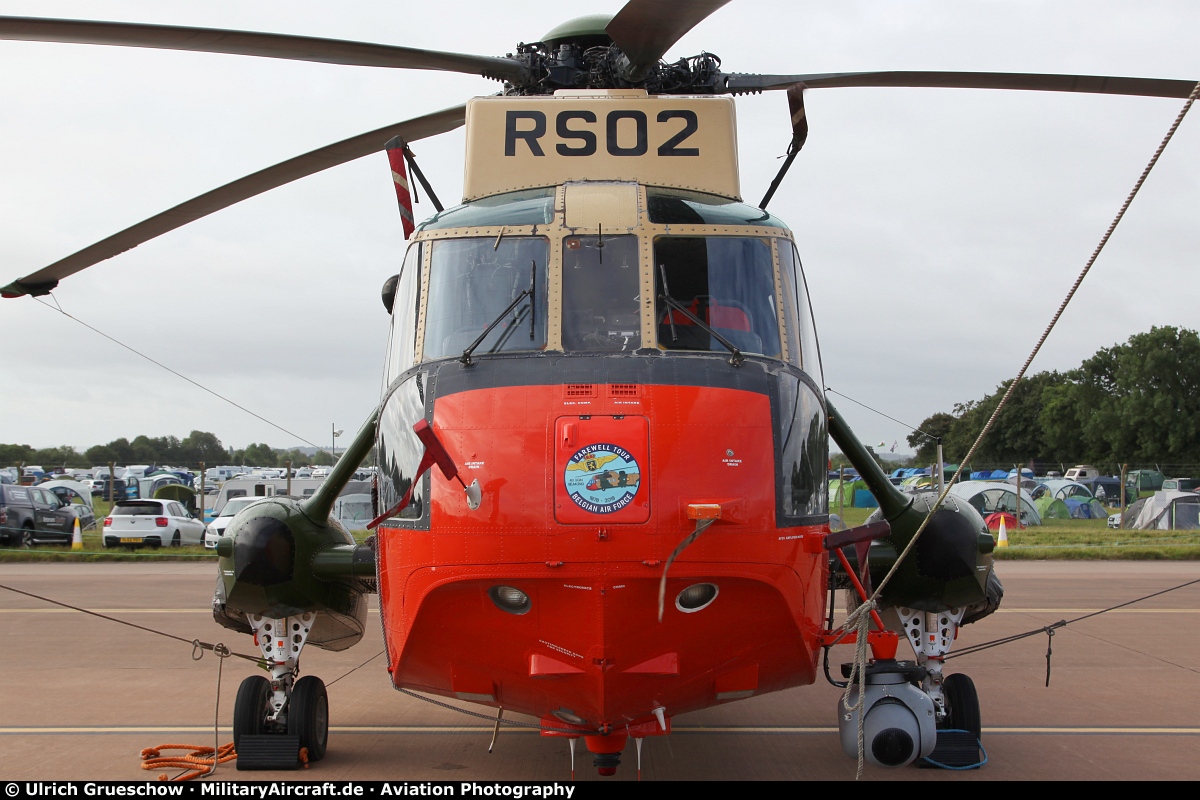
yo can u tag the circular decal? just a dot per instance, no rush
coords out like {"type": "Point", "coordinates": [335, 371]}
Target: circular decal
{"type": "Point", "coordinates": [602, 478]}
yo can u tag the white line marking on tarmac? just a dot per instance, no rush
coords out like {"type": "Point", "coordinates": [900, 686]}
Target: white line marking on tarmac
{"type": "Point", "coordinates": [1094, 610]}
{"type": "Point", "coordinates": [208, 610]}
{"type": "Point", "coordinates": [197, 610]}
{"type": "Point", "coordinates": [454, 729]}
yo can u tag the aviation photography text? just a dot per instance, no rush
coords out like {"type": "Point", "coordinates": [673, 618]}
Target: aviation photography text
{"type": "Point", "coordinates": [264, 789]}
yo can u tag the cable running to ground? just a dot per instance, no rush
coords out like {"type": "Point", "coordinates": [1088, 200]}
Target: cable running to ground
{"type": "Point", "coordinates": [197, 645]}
{"type": "Point", "coordinates": [1062, 623]}
{"type": "Point", "coordinates": [140, 354]}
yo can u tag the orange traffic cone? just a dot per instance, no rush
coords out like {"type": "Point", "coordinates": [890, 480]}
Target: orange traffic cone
{"type": "Point", "coordinates": [1003, 541]}
{"type": "Point", "coordinates": [77, 537]}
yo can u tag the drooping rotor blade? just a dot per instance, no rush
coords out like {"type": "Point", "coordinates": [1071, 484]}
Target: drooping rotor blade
{"type": "Point", "coordinates": [248, 43]}
{"type": "Point", "coordinates": [646, 29]}
{"type": "Point", "coordinates": [45, 279]}
{"type": "Point", "coordinates": [738, 83]}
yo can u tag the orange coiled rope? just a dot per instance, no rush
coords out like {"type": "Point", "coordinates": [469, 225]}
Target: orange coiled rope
{"type": "Point", "coordinates": [197, 762]}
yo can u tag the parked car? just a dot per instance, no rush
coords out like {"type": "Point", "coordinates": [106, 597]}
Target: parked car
{"type": "Point", "coordinates": [151, 523]}
{"type": "Point", "coordinates": [216, 528]}
{"type": "Point", "coordinates": [29, 516]}
{"type": "Point", "coordinates": [1181, 484]}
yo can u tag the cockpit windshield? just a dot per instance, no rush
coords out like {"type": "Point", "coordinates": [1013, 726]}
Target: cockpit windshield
{"type": "Point", "coordinates": [600, 294]}
{"type": "Point", "coordinates": [727, 282]}
{"type": "Point", "coordinates": [471, 283]}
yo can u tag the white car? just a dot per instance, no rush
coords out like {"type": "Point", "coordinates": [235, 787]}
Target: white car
{"type": "Point", "coordinates": [216, 528]}
{"type": "Point", "coordinates": [151, 523]}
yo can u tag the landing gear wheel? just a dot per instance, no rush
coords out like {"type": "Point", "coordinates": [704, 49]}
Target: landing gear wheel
{"type": "Point", "coordinates": [962, 705]}
{"type": "Point", "coordinates": [250, 708]}
{"type": "Point", "coordinates": [308, 716]}
{"type": "Point", "coordinates": [176, 540]}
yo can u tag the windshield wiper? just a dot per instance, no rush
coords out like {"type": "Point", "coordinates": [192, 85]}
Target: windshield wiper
{"type": "Point", "coordinates": [734, 360]}
{"type": "Point", "coordinates": [466, 356]}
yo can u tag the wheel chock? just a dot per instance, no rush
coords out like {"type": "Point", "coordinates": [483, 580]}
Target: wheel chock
{"type": "Point", "coordinates": [268, 751]}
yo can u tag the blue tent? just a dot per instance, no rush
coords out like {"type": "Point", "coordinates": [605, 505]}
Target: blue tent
{"type": "Point", "coordinates": [984, 475]}
{"type": "Point", "coordinates": [1085, 508]}
{"type": "Point", "coordinates": [864, 499]}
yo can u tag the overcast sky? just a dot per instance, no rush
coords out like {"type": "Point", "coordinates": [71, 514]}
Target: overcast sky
{"type": "Point", "coordinates": [939, 228]}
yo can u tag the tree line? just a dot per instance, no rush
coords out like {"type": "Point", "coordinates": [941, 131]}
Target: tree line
{"type": "Point", "coordinates": [196, 447]}
{"type": "Point", "coordinates": [1136, 402]}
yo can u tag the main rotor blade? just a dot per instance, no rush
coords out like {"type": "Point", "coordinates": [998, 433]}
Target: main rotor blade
{"type": "Point", "coordinates": [248, 43]}
{"type": "Point", "coordinates": [285, 172]}
{"type": "Point", "coordinates": [646, 29]}
{"type": "Point", "coordinates": [1091, 84]}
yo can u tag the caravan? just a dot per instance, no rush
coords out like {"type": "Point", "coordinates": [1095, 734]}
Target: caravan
{"type": "Point", "coordinates": [265, 487]}
{"type": "Point", "coordinates": [219, 474]}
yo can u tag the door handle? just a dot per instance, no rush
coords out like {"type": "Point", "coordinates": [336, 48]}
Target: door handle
{"type": "Point", "coordinates": [568, 434]}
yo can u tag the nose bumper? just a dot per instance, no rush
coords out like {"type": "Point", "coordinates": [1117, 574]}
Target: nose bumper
{"type": "Point", "coordinates": [589, 645]}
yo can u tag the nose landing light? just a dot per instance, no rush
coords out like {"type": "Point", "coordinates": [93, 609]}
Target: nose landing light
{"type": "Point", "coordinates": [510, 599]}
{"type": "Point", "coordinates": [696, 597]}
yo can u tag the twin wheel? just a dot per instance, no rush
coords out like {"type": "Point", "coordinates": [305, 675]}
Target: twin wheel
{"type": "Point", "coordinates": [307, 713]}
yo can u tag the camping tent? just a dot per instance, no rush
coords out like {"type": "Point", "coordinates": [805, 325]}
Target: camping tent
{"type": "Point", "coordinates": [73, 492]}
{"type": "Point", "coordinates": [1028, 484]}
{"type": "Point", "coordinates": [991, 496]}
{"type": "Point", "coordinates": [842, 492]}
{"type": "Point", "coordinates": [864, 499]}
{"type": "Point", "coordinates": [179, 493]}
{"type": "Point", "coordinates": [1132, 511]}
{"type": "Point", "coordinates": [1065, 490]}
{"type": "Point", "coordinates": [1145, 480]}
{"type": "Point", "coordinates": [1052, 508]}
{"type": "Point", "coordinates": [1086, 508]}
{"type": "Point", "coordinates": [1169, 511]}
{"type": "Point", "coordinates": [993, 521]}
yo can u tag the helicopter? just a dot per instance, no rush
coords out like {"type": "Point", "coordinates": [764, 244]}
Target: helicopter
{"type": "Point", "coordinates": [603, 294]}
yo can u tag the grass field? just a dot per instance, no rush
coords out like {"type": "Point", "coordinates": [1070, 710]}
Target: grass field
{"type": "Point", "coordinates": [1083, 539]}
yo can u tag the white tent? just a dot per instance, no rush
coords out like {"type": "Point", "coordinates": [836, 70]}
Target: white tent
{"type": "Point", "coordinates": [991, 496]}
{"type": "Point", "coordinates": [1168, 510]}
{"type": "Point", "coordinates": [1061, 489]}
{"type": "Point", "coordinates": [80, 494]}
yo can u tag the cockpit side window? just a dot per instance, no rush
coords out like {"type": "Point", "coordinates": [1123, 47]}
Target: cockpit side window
{"type": "Point", "coordinates": [404, 314]}
{"type": "Point", "coordinates": [472, 281]}
{"type": "Point", "coordinates": [727, 282]}
{"type": "Point", "coordinates": [601, 294]}
{"type": "Point", "coordinates": [799, 325]}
